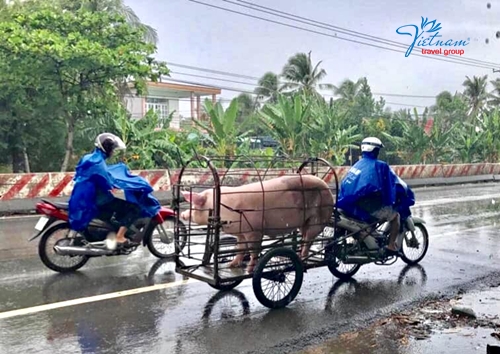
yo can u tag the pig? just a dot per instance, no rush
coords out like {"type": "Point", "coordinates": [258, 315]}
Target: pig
{"type": "Point", "coordinates": [288, 203]}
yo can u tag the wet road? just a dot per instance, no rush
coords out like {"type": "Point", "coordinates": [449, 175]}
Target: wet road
{"type": "Point", "coordinates": [186, 316]}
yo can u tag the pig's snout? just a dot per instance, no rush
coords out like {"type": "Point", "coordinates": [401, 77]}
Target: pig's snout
{"type": "Point", "coordinates": [185, 215]}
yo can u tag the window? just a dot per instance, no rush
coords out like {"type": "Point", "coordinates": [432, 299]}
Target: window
{"type": "Point", "coordinates": [160, 106]}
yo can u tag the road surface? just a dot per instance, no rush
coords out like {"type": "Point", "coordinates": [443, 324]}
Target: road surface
{"type": "Point", "coordinates": [137, 304]}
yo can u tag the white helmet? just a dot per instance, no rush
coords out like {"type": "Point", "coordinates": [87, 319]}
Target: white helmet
{"type": "Point", "coordinates": [370, 144]}
{"type": "Point", "coordinates": [108, 142]}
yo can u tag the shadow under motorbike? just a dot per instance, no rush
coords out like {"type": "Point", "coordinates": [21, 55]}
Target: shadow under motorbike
{"type": "Point", "coordinates": [73, 250]}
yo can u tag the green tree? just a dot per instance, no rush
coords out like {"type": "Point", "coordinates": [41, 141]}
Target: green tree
{"type": "Point", "coordinates": [494, 96]}
{"type": "Point", "coordinates": [268, 88]}
{"type": "Point", "coordinates": [358, 100]}
{"type": "Point", "coordinates": [286, 122]}
{"type": "Point", "coordinates": [450, 108]}
{"type": "Point", "coordinates": [223, 131]}
{"type": "Point", "coordinates": [475, 94]}
{"type": "Point", "coordinates": [301, 74]}
{"type": "Point", "coordinates": [328, 136]}
{"type": "Point", "coordinates": [246, 107]}
{"type": "Point", "coordinates": [79, 54]}
{"type": "Point", "coordinates": [490, 139]}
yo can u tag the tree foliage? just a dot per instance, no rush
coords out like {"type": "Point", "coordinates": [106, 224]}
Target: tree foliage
{"type": "Point", "coordinates": [69, 62]}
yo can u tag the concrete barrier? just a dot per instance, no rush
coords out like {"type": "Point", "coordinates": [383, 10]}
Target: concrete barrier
{"type": "Point", "coordinates": [20, 192]}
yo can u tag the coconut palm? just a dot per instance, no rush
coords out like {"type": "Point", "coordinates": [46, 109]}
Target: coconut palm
{"type": "Point", "coordinates": [301, 74]}
{"type": "Point", "coordinates": [268, 88]}
{"type": "Point", "coordinates": [348, 91]}
{"type": "Point", "coordinates": [495, 94]}
{"type": "Point", "coordinates": [475, 93]}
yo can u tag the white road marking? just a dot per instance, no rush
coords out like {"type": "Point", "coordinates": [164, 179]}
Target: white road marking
{"type": "Point", "coordinates": [86, 300]}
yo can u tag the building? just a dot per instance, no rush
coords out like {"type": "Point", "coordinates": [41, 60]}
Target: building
{"type": "Point", "coordinates": [164, 98]}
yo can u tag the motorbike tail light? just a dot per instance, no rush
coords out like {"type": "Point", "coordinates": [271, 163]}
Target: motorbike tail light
{"type": "Point", "coordinates": [43, 208]}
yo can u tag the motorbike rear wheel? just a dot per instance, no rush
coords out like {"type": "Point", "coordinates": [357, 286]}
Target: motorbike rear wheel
{"type": "Point", "coordinates": [76, 261]}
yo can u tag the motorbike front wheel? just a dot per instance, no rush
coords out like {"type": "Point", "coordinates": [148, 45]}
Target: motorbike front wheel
{"type": "Point", "coordinates": [415, 248]}
{"type": "Point", "coordinates": [161, 249]}
{"type": "Point", "coordinates": [57, 234]}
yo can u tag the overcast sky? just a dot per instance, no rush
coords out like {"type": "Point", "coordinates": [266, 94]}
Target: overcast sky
{"type": "Point", "coordinates": [193, 34]}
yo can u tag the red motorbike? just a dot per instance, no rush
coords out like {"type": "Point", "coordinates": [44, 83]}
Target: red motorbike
{"type": "Point", "coordinates": [64, 250]}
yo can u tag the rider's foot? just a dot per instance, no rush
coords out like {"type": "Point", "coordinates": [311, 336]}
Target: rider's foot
{"type": "Point", "coordinates": [127, 243]}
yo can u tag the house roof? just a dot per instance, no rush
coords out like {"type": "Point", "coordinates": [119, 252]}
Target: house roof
{"type": "Point", "coordinates": [182, 90]}
{"type": "Point", "coordinates": [198, 89]}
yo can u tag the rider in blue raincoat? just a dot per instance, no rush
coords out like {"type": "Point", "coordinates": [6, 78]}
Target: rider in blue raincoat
{"type": "Point", "coordinates": [371, 191]}
{"type": "Point", "coordinates": [94, 181]}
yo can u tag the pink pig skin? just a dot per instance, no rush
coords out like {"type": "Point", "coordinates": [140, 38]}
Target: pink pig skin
{"type": "Point", "coordinates": [288, 203]}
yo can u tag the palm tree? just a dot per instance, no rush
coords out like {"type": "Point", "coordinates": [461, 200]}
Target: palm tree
{"type": "Point", "coordinates": [268, 88]}
{"type": "Point", "coordinates": [443, 99]}
{"type": "Point", "coordinates": [475, 93]}
{"type": "Point", "coordinates": [348, 91]}
{"type": "Point", "coordinates": [301, 74]}
{"type": "Point", "coordinates": [495, 94]}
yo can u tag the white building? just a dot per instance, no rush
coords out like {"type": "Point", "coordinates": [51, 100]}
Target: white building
{"type": "Point", "coordinates": [164, 98]}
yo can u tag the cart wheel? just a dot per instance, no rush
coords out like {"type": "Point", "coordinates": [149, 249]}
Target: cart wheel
{"type": "Point", "coordinates": [277, 278]}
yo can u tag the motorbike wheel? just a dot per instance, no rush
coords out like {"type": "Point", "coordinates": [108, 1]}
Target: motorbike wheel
{"type": "Point", "coordinates": [75, 262]}
{"type": "Point", "coordinates": [406, 256]}
{"type": "Point", "coordinates": [343, 274]}
{"type": "Point", "coordinates": [338, 269]}
{"type": "Point", "coordinates": [154, 243]}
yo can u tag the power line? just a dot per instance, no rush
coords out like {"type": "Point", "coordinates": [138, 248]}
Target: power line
{"type": "Point", "coordinates": [214, 71]}
{"type": "Point", "coordinates": [335, 36]}
{"type": "Point", "coordinates": [330, 27]}
{"type": "Point", "coordinates": [250, 84]}
{"type": "Point", "coordinates": [249, 92]}
{"type": "Point", "coordinates": [213, 78]}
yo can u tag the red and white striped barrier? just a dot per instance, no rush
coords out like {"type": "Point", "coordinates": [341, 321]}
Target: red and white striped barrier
{"type": "Point", "coordinates": [52, 185]}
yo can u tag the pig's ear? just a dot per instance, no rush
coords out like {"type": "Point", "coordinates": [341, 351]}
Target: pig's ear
{"type": "Point", "coordinates": [187, 196]}
{"type": "Point", "coordinates": [195, 198]}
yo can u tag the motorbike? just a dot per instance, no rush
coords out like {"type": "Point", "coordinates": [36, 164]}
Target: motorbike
{"type": "Point", "coordinates": [72, 250]}
{"type": "Point", "coordinates": [358, 242]}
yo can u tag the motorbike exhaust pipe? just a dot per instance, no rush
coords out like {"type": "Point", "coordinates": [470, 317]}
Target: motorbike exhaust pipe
{"type": "Point", "coordinates": [357, 260]}
{"type": "Point", "coordinates": [81, 251]}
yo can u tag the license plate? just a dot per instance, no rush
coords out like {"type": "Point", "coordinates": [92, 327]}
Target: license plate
{"type": "Point", "coordinates": [41, 223]}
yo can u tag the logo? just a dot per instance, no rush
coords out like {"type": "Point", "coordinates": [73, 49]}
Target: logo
{"type": "Point", "coordinates": [428, 36]}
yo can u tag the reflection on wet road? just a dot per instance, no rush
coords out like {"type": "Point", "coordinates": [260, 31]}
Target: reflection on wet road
{"type": "Point", "coordinates": [194, 318]}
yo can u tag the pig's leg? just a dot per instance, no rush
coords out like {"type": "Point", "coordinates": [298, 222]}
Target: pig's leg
{"type": "Point", "coordinates": [254, 241]}
{"type": "Point", "coordinates": [241, 247]}
{"type": "Point", "coordinates": [309, 234]}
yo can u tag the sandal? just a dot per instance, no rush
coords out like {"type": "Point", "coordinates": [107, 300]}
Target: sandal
{"type": "Point", "coordinates": [127, 244]}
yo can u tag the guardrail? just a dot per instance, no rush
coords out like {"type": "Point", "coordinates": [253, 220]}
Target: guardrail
{"type": "Point", "coordinates": [29, 187]}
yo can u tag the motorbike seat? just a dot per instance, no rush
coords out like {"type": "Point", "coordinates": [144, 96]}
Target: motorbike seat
{"type": "Point", "coordinates": [100, 224]}
{"type": "Point", "coordinates": [58, 205]}
{"type": "Point", "coordinates": [350, 217]}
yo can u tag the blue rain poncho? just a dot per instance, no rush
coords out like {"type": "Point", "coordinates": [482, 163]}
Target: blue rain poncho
{"type": "Point", "coordinates": [369, 177]}
{"type": "Point", "coordinates": [93, 175]}
{"type": "Point", "coordinates": [404, 198]}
